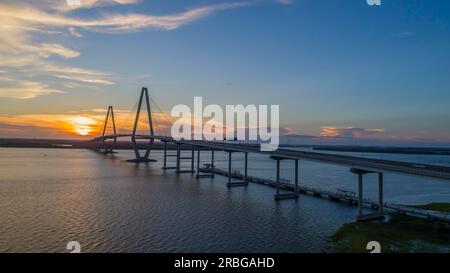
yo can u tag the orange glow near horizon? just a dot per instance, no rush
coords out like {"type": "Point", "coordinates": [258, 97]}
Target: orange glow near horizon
{"type": "Point", "coordinates": [78, 125]}
{"type": "Point", "coordinates": [81, 125]}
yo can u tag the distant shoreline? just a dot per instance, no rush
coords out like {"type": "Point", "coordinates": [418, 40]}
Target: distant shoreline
{"type": "Point", "coordinates": [126, 145]}
{"type": "Point", "coordinates": [81, 144]}
{"type": "Point", "coordinates": [385, 150]}
{"type": "Point", "coordinates": [74, 144]}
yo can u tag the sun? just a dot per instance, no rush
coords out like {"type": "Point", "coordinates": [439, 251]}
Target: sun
{"type": "Point", "coordinates": [82, 125]}
{"type": "Point", "coordinates": [82, 131]}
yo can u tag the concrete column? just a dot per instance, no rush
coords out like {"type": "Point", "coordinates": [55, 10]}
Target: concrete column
{"type": "Point", "coordinates": [165, 155]}
{"type": "Point", "coordinates": [229, 168]}
{"type": "Point", "coordinates": [192, 158]}
{"type": "Point", "coordinates": [198, 161]}
{"type": "Point", "coordinates": [380, 193]}
{"type": "Point", "coordinates": [278, 177]}
{"type": "Point", "coordinates": [212, 163]}
{"type": "Point", "coordinates": [360, 195]}
{"type": "Point", "coordinates": [296, 177]}
{"type": "Point", "coordinates": [178, 158]}
{"type": "Point", "coordinates": [246, 167]}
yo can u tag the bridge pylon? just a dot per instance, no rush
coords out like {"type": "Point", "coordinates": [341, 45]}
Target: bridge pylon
{"type": "Point", "coordinates": [135, 137]}
{"type": "Point", "coordinates": [108, 147]}
{"type": "Point", "coordinates": [380, 212]}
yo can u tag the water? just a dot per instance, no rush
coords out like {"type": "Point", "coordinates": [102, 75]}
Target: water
{"type": "Point", "coordinates": [49, 197]}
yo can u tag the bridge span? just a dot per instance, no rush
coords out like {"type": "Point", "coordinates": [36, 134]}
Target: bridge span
{"type": "Point", "coordinates": [374, 165]}
{"type": "Point", "coordinates": [358, 165]}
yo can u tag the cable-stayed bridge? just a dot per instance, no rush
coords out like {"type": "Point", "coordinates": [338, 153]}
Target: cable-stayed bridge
{"type": "Point", "coordinates": [359, 165]}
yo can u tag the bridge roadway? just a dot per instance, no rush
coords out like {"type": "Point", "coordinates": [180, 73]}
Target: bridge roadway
{"type": "Point", "coordinates": [375, 165]}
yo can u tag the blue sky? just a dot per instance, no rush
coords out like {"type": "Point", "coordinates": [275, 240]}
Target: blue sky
{"type": "Point", "coordinates": [335, 67]}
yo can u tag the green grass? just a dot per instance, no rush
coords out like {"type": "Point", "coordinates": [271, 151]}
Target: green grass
{"type": "Point", "coordinates": [400, 234]}
{"type": "Point", "coordinates": [444, 207]}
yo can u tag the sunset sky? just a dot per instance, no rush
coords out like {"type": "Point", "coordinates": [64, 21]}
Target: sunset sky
{"type": "Point", "coordinates": [337, 68]}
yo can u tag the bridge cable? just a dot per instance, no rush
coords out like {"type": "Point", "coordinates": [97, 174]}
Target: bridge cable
{"type": "Point", "coordinates": [160, 115]}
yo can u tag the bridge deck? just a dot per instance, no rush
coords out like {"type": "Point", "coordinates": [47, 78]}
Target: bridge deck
{"type": "Point", "coordinates": [376, 165]}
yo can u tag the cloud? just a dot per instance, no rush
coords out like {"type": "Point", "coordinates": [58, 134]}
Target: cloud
{"type": "Point", "coordinates": [57, 49]}
{"type": "Point", "coordinates": [110, 23]}
{"type": "Point", "coordinates": [21, 131]}
{"type": "Point", "coordinates": [78, 124]}
{"type": "Point", "coordinates": [26, 90]}
{"type": "Point", "coordinates": [28, 53]}
{"type": "Point", "coordinates": [70, 5]}
{"type": "Point", "coordinates": [286, 131]}
{"type": "Point", "coordinates": [348, 132]}
{"type": "Point", "coordinates": [85, 79]}
{"type": "Point", "coordinates": [67, 125]}
{"type": "Point", "coordinates": [74, 32]}
{"type": "Point", "coordinates": [83, 4]}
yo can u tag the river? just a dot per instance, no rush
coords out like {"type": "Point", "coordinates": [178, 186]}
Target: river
{"type": "Point", "coordinates": [49, 197]}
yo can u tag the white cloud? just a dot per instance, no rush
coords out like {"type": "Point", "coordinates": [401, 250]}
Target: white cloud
{"type": "Point", "coordinates": [26, 28]}
{"type": "Point", "coordinates": [85, 79]}
{"type": "Point", "coordinates": [46, 50]}
{"type": "Point", "coordinates": [69, 5]}
{"type": "Point", "coordinates": [27, 90]}
{"type": "Point", "coordinates": [348, 132]}
{"type": "Point", "coordinates": [112, 23]}
{"type": "Point", "coordinates": [84, 4]}
{"type": "Point", "coordinates": [74, 32]}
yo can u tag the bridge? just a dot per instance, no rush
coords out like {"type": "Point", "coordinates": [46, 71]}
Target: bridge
{"type": "Point", "coordinates": [360, 166]}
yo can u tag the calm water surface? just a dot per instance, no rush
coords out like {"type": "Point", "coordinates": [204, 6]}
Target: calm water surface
{"type": "Point", "coordinates": [49, 197]}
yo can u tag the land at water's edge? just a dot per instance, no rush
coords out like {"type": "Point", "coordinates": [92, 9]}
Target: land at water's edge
{"type": "Point", "coordinates": [399, 233]}
{"type": "Point", "coordinates": [436, 206]}
{"type": "Point", "coordinates": [385, 150]}
{"type": "Point", "coordinates": [80, 144]}
{"type": "Point", "coordinates": [127, 145]}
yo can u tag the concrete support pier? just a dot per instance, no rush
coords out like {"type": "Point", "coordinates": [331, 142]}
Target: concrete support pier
{"type": "Point", "coordinates": [371, 216]}
{"type": "Point", "coordinates": [108, 147]}
{"type": "Point", "coordinates": [246, 167]}
{"type": "Point", "coordinates": [179, 158]}
{"type": "Point", "coordinates": [212, 163]}
{"type": "Point", "coordinates": [198, 175]}
{"type": "Point", "coordinates": [296, 188]}
{"type": "Point", "coordinates": [279, 195]}
{"type": "Point", "coordinates": [231, 183]}
{"type": "Point", "coordinates": [192, 158]}
{"type": "Point", "coordinates": [166, 155]}
{"type": "Point", "coordinates": [380, 194]}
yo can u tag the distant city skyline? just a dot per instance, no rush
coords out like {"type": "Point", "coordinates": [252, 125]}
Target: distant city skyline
{"type": "Point", "coordinates": [343, 72]}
